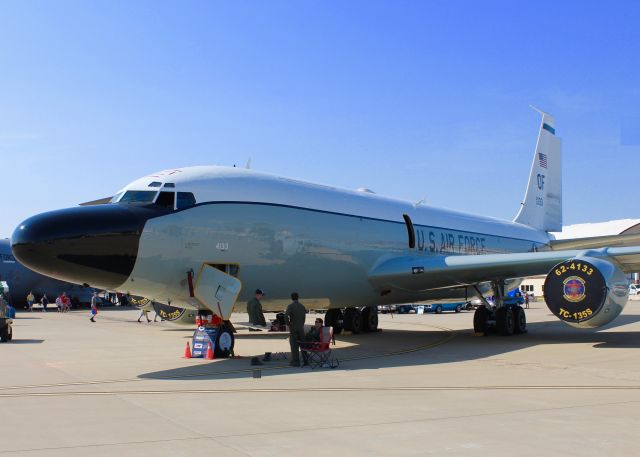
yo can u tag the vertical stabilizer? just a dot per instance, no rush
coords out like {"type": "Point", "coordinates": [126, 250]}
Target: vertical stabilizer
{"type": "Point", "coordinates": [542, 205]}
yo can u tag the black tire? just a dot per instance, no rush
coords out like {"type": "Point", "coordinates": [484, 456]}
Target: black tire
{"type": "Point", "coordinates": [370, 319]}
{"type": "Point", "coordinates": [468, 306]}
{"type": "Point", "coordinates": [334, 318]}
{"type": "Point", "coordinates": [224, 343]}
{"type": "Point", "coordinates": [480, 318]}
{"type": "Point", "coordinates": [505, 323]}
{"type": "Point", "coordinates": [353, 320]}
{"type": "Point", "coordinates": [520, 319]}
{"type": "Point", "coordinates": [458, 308]}
{"type": "Point", "coordinates": [4, 334]}
{"type": "Point", "coordinates": [438, 309]}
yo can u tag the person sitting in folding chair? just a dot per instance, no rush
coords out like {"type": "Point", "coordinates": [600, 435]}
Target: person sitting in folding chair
{"type": "Point", "coordinates": [315, 348]}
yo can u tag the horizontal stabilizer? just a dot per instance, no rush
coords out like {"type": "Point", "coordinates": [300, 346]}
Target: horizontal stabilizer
{"type": "Point", "coordinates": [595, 242]}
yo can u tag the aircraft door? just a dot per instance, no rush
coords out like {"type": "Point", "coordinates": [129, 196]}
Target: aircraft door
{"type": "Point", "coordinates": [217, 290]}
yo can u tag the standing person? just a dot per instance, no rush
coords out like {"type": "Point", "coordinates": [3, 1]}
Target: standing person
{"type": "Point", "coordinates": [295, 315]}
{"type": "Point", "coordinates": [254, 308]}
{"type": "Point", "coordinates": [59, 303]}
{"type": "Point", "coordinates": [526, 300]}
{"type": "Point", "coordinates": [94, 306]}
{"type": "Point", "coordinates": [30, 300]}
{"type": "Point", "coordinates": [66, 302]}
{"type": "Point", "coordinates": [45, 302]}
{"type": "Point", "coordinates": [145, 313]}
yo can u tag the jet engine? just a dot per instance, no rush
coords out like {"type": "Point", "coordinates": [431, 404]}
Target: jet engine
{"type": "Point", "coordinates": [586, 292]}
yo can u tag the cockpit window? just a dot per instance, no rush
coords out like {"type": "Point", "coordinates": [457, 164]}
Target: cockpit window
{"type": "Point", "coordinates": [116, 197]}
{"type": "Point", "coordinates": [166, 199]}
{"type": "Point", "coordinates": [185, 199]}
{"type": "Point", "coordinates": [138, 196]}
{"type": "Point", "coordinates": [155, 184]}
{"type": "Point", "coordinates": [169, 184]}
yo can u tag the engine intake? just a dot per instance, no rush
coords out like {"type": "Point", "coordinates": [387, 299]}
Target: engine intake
{"type": "Point", "coordinates": [586, 292]}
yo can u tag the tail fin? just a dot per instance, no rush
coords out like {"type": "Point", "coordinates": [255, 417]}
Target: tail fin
{"type": "Point", "coordinates": [542, 206]}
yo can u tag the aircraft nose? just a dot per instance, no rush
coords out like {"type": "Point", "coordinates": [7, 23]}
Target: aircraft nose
{"type": "Point", "coordinates": [95, 245]}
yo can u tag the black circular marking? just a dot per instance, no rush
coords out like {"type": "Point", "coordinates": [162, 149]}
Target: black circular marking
{"type": "Point", "coordinates": [575, 291]}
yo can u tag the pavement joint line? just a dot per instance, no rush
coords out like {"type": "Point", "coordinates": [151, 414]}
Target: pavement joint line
{"type": "Point", "coordinates": [318, 389]}
{"type": "Point", "coordinates": [124, 443]}
{"type": "Point", "coordinates": [450, 334]}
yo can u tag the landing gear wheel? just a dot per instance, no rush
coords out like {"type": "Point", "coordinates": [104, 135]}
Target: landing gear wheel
{"type": "Point", "coordinates": [370, 319]}
{"type": "Point", "coordinates": [520, 319]}
{"type": "Point", "coordinates": [224, 343]}
{"type": "Point", "coordinates": [458, 308]}
{"type": "Point", "coordinates": [505, 323]}
{"type": "Point", "coordinates": [480, 318]}
{"type": "Point", "coordinates": [438, 309]}
{"type": "Point", "coordinates": [334, 318]}
{"type": "Point", "coordinates": [353, 320]}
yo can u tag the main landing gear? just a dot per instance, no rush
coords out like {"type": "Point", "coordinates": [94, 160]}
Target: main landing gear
{"type": "Point", "coordinates": [505, 318]}
{"type": "Point", "coordinates": [355, 320]}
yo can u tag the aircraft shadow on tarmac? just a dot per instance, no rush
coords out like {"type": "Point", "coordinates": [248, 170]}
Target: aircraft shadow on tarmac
{"type": "Point", "coordinates": [26, 341]}
{"type": "Point", "coordinates": [400, 348]}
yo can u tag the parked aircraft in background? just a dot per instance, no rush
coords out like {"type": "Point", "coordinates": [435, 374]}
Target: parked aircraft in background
{"type": "Point", "coordinates": [22, 280]}
{"type": "Point", "coordinates": [203, 237]}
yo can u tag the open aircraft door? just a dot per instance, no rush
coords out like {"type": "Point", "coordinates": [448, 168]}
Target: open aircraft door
{"type": "Point", "coordinates": [217, 290]}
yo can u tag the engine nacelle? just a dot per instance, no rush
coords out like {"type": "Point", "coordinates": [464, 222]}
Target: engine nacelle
{"type": "Point", "coordinates": [586, 292]}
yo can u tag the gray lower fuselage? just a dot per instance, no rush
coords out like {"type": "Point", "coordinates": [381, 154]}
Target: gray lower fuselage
{"type": "Point", "coordinates": [324, 256]}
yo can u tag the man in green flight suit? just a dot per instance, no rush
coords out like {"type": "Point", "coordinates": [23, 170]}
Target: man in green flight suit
{"type": "Point", "coordinates": [254, 308]}
{"type": "Point", "coordinates": [295, 315]}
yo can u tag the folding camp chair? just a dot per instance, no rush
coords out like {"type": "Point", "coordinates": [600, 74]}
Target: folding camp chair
{"type": "Point", "coordinates": [318, 353]}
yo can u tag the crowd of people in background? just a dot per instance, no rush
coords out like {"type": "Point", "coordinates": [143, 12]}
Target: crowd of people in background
{"type": "Point", "coordinates": [64, 302]}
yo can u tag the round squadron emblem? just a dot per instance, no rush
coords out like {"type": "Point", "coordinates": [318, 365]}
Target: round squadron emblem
{"type": "Point", "coordinates": [574, 289]}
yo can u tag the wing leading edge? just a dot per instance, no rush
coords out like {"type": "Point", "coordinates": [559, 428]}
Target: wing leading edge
{"type": "Point", "coordinates": [421, 273]}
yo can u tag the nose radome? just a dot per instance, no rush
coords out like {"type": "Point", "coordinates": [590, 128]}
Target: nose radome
{"type": "Point", "coordinates": [95, 245]}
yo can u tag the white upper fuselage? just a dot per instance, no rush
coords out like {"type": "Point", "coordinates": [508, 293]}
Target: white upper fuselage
{"type": "Point", "coordinates": [225, 184]}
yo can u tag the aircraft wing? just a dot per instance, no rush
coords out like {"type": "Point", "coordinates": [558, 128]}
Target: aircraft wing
{"type": "Point", "coordinates": [419, 273]}
{"type": "Point", "coordinates": [594, 242]}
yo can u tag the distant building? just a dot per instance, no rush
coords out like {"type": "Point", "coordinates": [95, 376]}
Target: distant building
{"type": "Point", "coordinates": [535, 284]}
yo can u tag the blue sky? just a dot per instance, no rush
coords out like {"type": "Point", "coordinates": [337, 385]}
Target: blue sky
{"type": "Point", "coordinates": [416, 100]}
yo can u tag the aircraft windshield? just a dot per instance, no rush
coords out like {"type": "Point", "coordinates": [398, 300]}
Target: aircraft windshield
{"type": "Point", "coordinates": [138, 196]}
{"type": "Point", "coordinates": [185, 199]}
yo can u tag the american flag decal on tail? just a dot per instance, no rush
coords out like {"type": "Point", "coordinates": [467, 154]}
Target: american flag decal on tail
{"type": "Point", "coordinates": [542, 158]}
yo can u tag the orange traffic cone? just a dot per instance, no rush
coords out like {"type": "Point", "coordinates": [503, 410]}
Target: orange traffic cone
{"type": "Point", "coordinates": [187, 351]}
{"type": "Point", "coordinates": [210, 354]}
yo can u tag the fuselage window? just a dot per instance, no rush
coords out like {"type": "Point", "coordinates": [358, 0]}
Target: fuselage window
{"type": "Point", "coordinates": [138, 196]}
{"type": "Point", "coordinates": [185, 199]}
{"type": "Point", "coordinates": [166, 199]}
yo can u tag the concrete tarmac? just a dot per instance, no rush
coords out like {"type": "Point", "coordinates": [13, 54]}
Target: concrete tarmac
{"type": "Point", "coordinates": [425, 385]}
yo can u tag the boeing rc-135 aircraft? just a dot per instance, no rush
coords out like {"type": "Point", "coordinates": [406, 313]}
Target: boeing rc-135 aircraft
{"type": "Point", "coordinates": [205, 237]}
